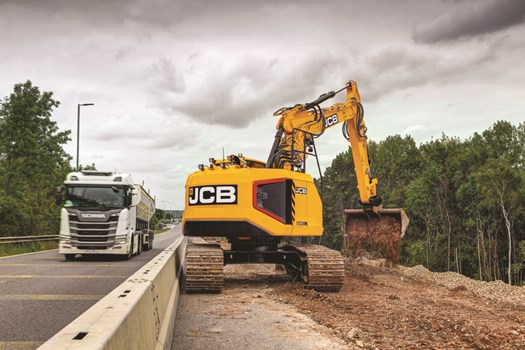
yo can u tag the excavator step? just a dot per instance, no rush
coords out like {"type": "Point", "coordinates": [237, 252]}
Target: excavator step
{"type": "Point", "coordinates": [204, 268]}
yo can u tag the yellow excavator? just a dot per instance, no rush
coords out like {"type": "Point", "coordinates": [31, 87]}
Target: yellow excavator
{"type": "Point", "coordinates": [255, 205]}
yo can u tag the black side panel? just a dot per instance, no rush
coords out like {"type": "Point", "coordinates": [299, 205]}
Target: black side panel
{"type": "Point", "coordinates": [276, 198]}
{"type": "Point", "coordinates": [222, 229]}
{"type": "Point", "coordinates": [289, 192]}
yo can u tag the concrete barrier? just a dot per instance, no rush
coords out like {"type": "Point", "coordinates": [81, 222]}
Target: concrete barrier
{"type": "Point", "coordinates": [138, 314]}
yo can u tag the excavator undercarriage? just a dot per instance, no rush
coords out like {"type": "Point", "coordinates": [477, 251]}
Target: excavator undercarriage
{"type": "Point", "coordinates": [318, 267]}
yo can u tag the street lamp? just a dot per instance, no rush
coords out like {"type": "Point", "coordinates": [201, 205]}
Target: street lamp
{"type": "Point", "coordinates": [78, 125]}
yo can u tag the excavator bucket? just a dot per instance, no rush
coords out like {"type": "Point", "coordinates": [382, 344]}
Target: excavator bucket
{"type": "Point", "coordinates": [377, 232]}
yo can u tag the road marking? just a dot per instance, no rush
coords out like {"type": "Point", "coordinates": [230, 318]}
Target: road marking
{"type": "Point", "coordinates": [50, 297]}
{"type": "Point", "coordinates": [67, 265]}
{"type": "Point", "coordinates": [19, 345]}
{"type": "Point", "coordinates": [63, 276]}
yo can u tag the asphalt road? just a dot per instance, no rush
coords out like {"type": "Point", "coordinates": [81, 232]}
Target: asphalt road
{"type": "Point", "coordinates": [41, 293]}
{"type": "Point", "coordinates": [247, 315]}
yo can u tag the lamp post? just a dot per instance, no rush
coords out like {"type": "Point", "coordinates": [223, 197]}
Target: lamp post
{"type": "Point", "coordinates": [78, 126]}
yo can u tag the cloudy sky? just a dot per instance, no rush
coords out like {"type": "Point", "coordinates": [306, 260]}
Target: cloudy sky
{"type": "Point", "coordinates": [174, 81]}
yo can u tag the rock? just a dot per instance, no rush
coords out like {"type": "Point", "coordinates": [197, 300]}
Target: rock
{"type": "Point", "coordinates": [353, 334]}
{"type": "Point", "coordinates": [359, 343]}
{"type": "Point", "coordinates": [514, 332]}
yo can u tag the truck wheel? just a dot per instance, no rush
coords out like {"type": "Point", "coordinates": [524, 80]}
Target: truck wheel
{"type": "Point", "coordinates": [70, 257]}
{"type": "Point", "coordinates": [145, 247]}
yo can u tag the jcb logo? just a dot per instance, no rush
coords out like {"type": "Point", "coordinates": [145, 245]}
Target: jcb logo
{"type": "Point", "coordinates": [219, 194]}
{"type": "Point", "coordinates": [300, 190]}
{"type": "Point", "coordinates": [331, 120]}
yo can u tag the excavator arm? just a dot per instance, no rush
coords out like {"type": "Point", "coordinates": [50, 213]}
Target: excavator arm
{"type": "Point", "coordinates": [298, 126]}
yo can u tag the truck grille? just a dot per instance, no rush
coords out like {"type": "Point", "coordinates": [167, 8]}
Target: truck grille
{"type": "Point", "coordinates": [92, 234]}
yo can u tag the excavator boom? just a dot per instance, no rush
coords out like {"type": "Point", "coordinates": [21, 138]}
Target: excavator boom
{"type": "Point", "coordinates": [298, 126]}
{"type": "Point", "coordinates": [371, 228]}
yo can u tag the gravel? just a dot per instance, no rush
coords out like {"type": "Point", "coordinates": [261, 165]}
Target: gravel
{"type": "Point", "coordinates": [496, 290]}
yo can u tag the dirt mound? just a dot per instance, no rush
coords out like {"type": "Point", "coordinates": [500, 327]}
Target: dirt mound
{"type": "Point", "coordinates": [496, 290]}
{"type": "Point", "coordinates": [413, 308]}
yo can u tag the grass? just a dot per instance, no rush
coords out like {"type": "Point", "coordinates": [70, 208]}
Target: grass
{"type": "Point", "coordinates": [162, 230]}
{"type": "Point", "coordinates": [21, 248]}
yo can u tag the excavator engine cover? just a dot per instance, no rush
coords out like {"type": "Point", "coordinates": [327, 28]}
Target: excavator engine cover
{"type": "Point", "coordinates": [376, 232]}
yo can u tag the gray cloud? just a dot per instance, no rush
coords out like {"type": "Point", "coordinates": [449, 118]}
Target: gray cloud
{"type": "Point", "coordinates": [472, 19]}
{"type": "Point", "coordinates": [247, 87]}
{"type": "Point", "coordinates": [165, 77]}
{"type": "Point", "coordinates": [398, 68]}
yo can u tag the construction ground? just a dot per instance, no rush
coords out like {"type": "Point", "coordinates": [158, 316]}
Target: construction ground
{"type": "Point", "coordinates": [378, 308]}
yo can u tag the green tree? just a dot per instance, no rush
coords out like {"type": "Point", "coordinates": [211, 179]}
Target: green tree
{"type": "Point", "coordinates": [395, 161]}
{"type": "Point", "coordinates": [32, 161]}
{"type": "Point", "coordinates": [501, 185]}
{"type": "Point", "coordinates": [87, 167]}
{"type": "Point", "coordinates": [465, 199]}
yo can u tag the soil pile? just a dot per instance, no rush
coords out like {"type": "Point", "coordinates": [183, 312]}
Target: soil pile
{"type": "Point", "coordinates": [412, 308]}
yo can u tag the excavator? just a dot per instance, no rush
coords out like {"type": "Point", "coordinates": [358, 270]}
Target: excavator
{"type": "Point", "coordinates": [258, 205]}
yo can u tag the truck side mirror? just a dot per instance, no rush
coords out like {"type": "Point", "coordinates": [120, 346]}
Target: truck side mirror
{"type": "Point", "coordinates": [59, 195]}
{"type": "Point", "coordinates": [134, 197]}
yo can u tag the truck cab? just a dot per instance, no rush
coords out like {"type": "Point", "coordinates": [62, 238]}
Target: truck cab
{"type": "Point", "coordinates": [104, 213]}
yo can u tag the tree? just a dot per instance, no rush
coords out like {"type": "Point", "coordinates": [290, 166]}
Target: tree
{"type": "Point", "coordinates": [87, 167]}
{"type": "Point", "coordinates": [32, 161]}
{"type": "Point", "coordinates": [395, 161]}
{"type": "Point", "coordinates": [501, 185]}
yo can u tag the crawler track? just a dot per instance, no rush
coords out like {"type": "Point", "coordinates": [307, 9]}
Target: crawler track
{"type": "Point", "coordinates": [322, 268]}
{"type": "Point", "coordinates": [204, 268]}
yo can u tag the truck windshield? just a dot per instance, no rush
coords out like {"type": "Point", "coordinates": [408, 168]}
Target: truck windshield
{"type": "Point", "coordinates": [107, 197]}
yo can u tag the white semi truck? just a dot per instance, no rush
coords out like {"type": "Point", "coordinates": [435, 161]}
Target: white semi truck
{"type": "Point", "coordinates": [104, 213]}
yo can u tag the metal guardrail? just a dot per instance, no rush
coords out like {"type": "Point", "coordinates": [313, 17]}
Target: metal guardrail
{"type": "Point", "coordinates": [27, 239]}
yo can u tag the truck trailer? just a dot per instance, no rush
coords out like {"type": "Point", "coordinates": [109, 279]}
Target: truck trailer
{"type": "Point", "coordinates": [104, 213]}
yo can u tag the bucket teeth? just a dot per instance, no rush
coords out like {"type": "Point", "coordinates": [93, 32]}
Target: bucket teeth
{"type": "Point", "coordinates": [204, 268]}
